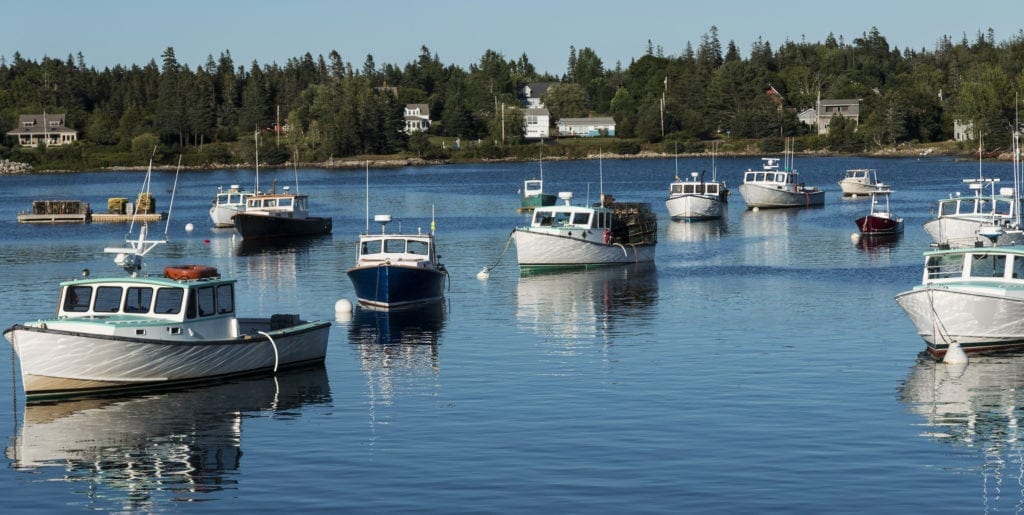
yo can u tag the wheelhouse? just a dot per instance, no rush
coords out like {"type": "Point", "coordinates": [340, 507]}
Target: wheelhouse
{"type": "Point", "coordinates": [999, 265]}
{"type": "Point", "coordinates": [572, 217]}
{"type": "Point", "coordinates": [694, 188]}
{"type": "Point", "coordinates": [155, 298]}
{"type": "Point", "coordinates": [396, 248]}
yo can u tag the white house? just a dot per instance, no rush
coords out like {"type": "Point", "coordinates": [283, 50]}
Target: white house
{"type": "Point", "coordinates": [417, 118]}
{"type": "Point", "coordinates": [587, 127]}
{"type": "Point", "coordinates": [48, 129]}
{"type": "Point", "coordinates": [532, 92]}
{"type": "Point", "coordinates": [963, 131]}
{"type": "Point", "coordinates": [821, 115]}
{"type": "Point", "coordinates": [538, 123]}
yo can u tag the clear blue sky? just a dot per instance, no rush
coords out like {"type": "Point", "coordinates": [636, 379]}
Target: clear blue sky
{"type": "Point", "coordinates": [110, 32]}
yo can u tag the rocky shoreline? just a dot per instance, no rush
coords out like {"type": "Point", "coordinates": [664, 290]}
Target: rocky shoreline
{"type": "Point", "coordinates": [8, 167]}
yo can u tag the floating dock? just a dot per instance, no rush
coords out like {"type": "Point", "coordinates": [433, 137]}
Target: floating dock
{"type": "Point", "coordinates": [56, 211]}
{"type": "Point", "coordinates": [118, 217]}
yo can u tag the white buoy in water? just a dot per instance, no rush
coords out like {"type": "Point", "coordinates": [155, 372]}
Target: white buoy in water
{"type": "Point", "coordinates": [854, 237]}
{"type": "Point", "coordinates": [342, 306]}
{"type": "Point", "coordinates": [484, 274]}
{"type": "Point", "coordinates": [756, 208]}
{"type": "Point", "coordinates": [189, 227]}
{"type": "Point", "coordinates": [955, 355]}
{"type": "Point", "coordinates": [853, 195]}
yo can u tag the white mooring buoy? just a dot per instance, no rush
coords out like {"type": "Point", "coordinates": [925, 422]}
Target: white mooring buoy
{"type": "Point", "coordinates": [189, 227]}
{"type": "Point", "coordinates": [955, 355]}
{"type": "Point", "coordinates": [484, 274]}
{"type": "Point", "coordinates": [854, 237]}
{"type": "Point", "coordinates": [343, 310]}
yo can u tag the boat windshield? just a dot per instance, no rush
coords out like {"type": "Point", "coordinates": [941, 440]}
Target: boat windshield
{"type": "Point", "coordinates": [944, 266]}
{"type": "Point", "coordinates": [988, 265]}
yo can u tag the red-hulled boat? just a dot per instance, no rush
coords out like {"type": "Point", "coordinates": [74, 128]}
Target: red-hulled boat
{"type": "Point", "coordinates": [880, 222]}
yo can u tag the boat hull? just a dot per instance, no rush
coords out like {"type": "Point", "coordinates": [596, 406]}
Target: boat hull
{"type": "Point", "coordinates": [253, 226]}
{"type": "Point", "coordinates": [695, 207]}
{"type": "Point", "coordinates": [857, 188]}
{"type": "Point", "coordinates": [879, 225]}
{"type": "Point", "coordinates": [392, 286]}
{"type": "Point", "coordinates": [222, 215]}
{"type": "Point", "coordinates": [537, 250]}
{"type": "Point", "coordinates": [63, 363]}
{"type": "Point", "coordinates": [978, 318]}
{"type": "Point", "coordinates": [763, 196]}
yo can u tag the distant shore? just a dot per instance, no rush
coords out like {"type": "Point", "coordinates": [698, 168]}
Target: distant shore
{"type": "Point", "coordinates": [15, 168]}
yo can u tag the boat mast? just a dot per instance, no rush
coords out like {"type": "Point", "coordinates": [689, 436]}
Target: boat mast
{"type": "Point", "coordinates": [367, 196]}
{"type": "Point", "coordinates": [295, 167]}
{"type": "Point", "coordinates": [256, 138]}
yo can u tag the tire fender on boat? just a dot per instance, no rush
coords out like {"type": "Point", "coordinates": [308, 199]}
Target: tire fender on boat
{"type": "Point", "coordinates": [189, 272]}
{"type": "Point", "coordinates": [607, 236]}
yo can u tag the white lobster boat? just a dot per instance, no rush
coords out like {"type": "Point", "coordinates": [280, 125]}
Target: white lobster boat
{"type": "Point", "coordinates": [973, 296]}
{"type": "Point", "coordinates": [143, 331]}
{"type": "Point", "coordinates": [773, 187]}
{"type": "Point", "coordinates": [568, 236]}
{"type": "Point", "coordinates": [227, 204]}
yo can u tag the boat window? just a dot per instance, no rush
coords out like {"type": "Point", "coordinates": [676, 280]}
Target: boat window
{"type": "Point", "coordinates": [78, 298]}
{"type": "Point", "coordinates": [285, 202]}
{"type": "Point", "coordinates": [417, 247]}
{"type": "Point", "coordinates": [108, 299]}
{"type": "Point", "coordinates": [300, 204]}
{"type": "Point", "coordinates": [270, 202]}
{"type": "Point", "coordinates": [1018, 267]}
{"type": "Point", "coordinates": [543, 218]}
{"type": "Point", "coordinates": [581, 218]}
{"type": "Point", "coordinates": [370, 247]}
{"type": "Point", "coordinates": [206, 301]}
{"type": "Point", "coordinates": [760, 177]}
{"type": "Point", "coordinates": [225, 299]}
{"type": "Point", "coordinates": [676, 188]}
{"type": "Point", "coordinates": [168, 300]}
{"type": "Point", "coordinates": [769, 177]}
{"type": "Point", "coordinates": [394, 246]}
{"type": "Point", "coordinates": [688, 188]}
{"type": "Point", "coordinates": [138, 300]}
{"type": "Point", "coordinates": [561, 219]}
{"type": "Point", "coordinates": [945, 266]}
{"type": "Point", "coordinates": [988, 265]}
{"type": "Point", "coordinates": [711, 189]}
{"type": "Point", "coordinates": [947, 207]}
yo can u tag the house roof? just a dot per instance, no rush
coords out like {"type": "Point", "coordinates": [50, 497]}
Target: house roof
{"type": "Point", "coordinates": [537, 89]}
{"type": "Point", "coordinates": [424, 108]}
{"type": "Point", "coordinates": [40, 124]}
{"type": "Point", "coordinates": [537, 112]}
{"type": "Point", "coordinates": [596, 120]}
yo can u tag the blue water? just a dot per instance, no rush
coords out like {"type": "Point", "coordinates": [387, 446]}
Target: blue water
{"type": "Point", "coordinates": [760, 365]}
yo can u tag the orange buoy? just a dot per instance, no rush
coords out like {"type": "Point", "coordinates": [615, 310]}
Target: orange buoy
{"type": "Point", "coordinates": [189, 272]}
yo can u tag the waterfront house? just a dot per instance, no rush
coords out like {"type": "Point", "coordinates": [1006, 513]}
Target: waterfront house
{"type": "Point", "coordinates": [963, 131]}
{"type": "Point", "coordinates": [532, 92]}
{"type": "Point", "coordinates": [417, 118]}
{"type": "Point", "coordinates": [587, 127]}
{"type": "Point", "coordinates": [538, 122]}
{"type": "Point", "coordinates": [820, 116]}
{"type": "Point", "coordinates": [46, 129]}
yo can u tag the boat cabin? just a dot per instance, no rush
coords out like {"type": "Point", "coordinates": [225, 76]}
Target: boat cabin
{"type": "Point", "coordinates": [694, 188]}
{"type": "Point", "coordinates": [233, 196]}
{"type": "Point", "coordinates": [533, 187]}
{"type": "Point", "coordinates": [572, 217]}
{"type": "Point", "coordinates": [398, 249]}
{"type": "Point", "coordinates": [861, 175]}
{"type": "Point", "coordinates": [280, 204]}
{"type": "Point", "coordinates": [999, 206]}
{"type": "Point", "coordinates": [147, 297]}
{"type": "Point", "coordinates": [993, 263]}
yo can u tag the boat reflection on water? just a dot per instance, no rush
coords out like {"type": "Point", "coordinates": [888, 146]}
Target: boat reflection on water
{"type": "Point", "coordinates": [882, 243]}
{"type": "Point", "coordinates": [697, 231]}
{"type": "Point", "coordinates": [976, 406]}
{"type": "Point", "coordinates": [394, 344]}
{"type": "Point", "coordinates": [142, 452]}
{"type": "Point", "coordinates": [587, 303]}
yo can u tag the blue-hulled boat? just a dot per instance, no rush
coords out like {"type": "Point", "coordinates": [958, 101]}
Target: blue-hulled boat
{"type": "Point", "coordinates": [396, 270]}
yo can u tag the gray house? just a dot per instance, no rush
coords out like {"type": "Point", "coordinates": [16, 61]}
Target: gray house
{"type": "Point", "coordinates": [821, 114]}
{"type": "Point", "coordinates": [48, 129]}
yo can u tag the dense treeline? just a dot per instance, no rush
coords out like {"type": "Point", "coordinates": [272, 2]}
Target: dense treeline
{"type": "Point", "coordinates": [333, 109]}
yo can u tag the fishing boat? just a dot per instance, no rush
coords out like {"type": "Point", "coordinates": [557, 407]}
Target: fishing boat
{"type": "Point", "coordinates": [279, 215]}
{"type": "Point", "coordinates": [227, 204]}
{"type": "Point", "coordinates": [973, 296]}
{"type": "Point", "coordinates": [963, 220]}
{"type": "Point", "coordinates": [397, 270]}
{"type": "Point", "coordinates": [573, 236]}
{"type": "Point", "coordinates": [273, 215]}
{"type": "Point", "coordinates": [775, 187]}
{"type": "Point", "coordinates": [880, 221]}
{"type": "Point", "coordinates": [859, 182]}
{"type": "Point", "coordinates": [140, 330]}
{"type": "Point", "coordinates": [533, 193]}
{"type": "Point", "coordinates": [696, 199]}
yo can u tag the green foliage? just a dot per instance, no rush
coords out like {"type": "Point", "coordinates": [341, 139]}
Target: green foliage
{"type": "Point", "coordinates": [336, 110]}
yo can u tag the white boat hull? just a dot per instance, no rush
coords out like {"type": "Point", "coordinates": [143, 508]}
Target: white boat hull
{"type": "Point", "coordinates": [857, 189]}
{"type": "Point", "coordinates": [694, 207]}
{"type": "Point", "coordinates": [540, 250]}
{"type": "Point", "coordinates": [63, 362]}
{"type": "Point", "coordinates": [978, 318]}
{"type": "Point", "coordinates": [964, 232]}
{"type": "Point", "coordinates": [221, 215]}
{"type": "Point", "coordinates": [773, 196]}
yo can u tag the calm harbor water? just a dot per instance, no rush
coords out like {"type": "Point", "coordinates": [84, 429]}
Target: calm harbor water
{"type": "Point", "coordinates": [759, 365]}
